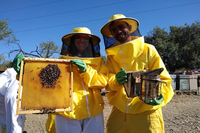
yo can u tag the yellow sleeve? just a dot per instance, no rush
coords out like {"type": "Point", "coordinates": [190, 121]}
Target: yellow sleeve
{"type": "Point", "coordinates": [156, 62]}
{"type": "Point", "coordinates": [112, 82]}
{"type": "Point", "coordinates": [95, 79]}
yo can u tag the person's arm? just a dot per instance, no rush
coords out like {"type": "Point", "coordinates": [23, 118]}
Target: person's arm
{"type": "Point", "coordinates": [156, 62]}
{"type": "Point", "coordinates": [95, 78]}
{"type": "Point", "coordinates": [92, 77]}
{"type": "Point", "coordinates": [6, 78]}
{"type": "Point", "coordinates": [112, 85]}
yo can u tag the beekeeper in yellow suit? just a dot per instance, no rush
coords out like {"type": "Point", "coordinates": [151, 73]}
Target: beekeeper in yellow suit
{"type": "Point", "coordinates": [82, 48]}
{"type": "Point", "coordinates": [127, 51]}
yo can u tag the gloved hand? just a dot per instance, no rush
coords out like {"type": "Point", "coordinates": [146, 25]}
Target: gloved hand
{"type": "Point", "coordinates": [121, 77]}
{"type": "Point", "coordinates": [80, 64]}
{"type": "Point", "coordinates": [155, 102]}
{"type": "Point", "coordinates": [16, 62]}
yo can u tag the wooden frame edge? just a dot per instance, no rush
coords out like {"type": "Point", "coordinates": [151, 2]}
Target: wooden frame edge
{"type": "Point", "coordinates": [20, 86]}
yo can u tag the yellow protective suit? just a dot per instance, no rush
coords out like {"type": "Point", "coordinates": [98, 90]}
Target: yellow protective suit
{"type": "Point", "coordinates": [87, 99]}
{"type": "Point", "coordinates": [134, 56]}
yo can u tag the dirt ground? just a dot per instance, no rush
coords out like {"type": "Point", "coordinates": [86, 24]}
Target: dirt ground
{"type": "Point", "coordinates": [181, 115]}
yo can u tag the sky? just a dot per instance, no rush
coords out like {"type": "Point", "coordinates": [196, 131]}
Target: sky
{"type": "Point", "coordinates": [37, 21]}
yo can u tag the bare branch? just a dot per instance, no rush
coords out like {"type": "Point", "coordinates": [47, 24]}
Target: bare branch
{"type": "Point", "coordinates": [21, 51]}
{"type": "Point", "coordinates": [43, 52]}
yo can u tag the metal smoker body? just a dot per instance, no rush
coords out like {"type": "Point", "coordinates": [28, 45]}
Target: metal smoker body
{"type": "Point", "coordinates": [145, 85]}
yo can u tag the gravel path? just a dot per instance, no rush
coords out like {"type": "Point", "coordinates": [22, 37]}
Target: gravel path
{"type": "Point", "coordinates": [181, 115]}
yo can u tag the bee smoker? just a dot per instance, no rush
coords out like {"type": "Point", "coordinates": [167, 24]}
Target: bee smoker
{"type": "Point", "coordinates": [151, 84]}
{"type": "Point", "coordinates": [145, 85]}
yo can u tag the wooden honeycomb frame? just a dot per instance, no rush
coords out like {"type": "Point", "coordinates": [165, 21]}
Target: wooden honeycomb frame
{"type": "Point", "coordinates": [35, 98]}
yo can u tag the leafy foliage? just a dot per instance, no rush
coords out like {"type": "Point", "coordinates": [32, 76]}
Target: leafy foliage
{"type": "Point", "coordinates": [6, 34]}
{"type": "Point", "coordinates": [6, 64]}
{"type": "Point", "coordinates": [179, 48]}
{"type": "Point", "coordinates": [47, 49]}
{"type": "Point", "coordinates": [2, 58]}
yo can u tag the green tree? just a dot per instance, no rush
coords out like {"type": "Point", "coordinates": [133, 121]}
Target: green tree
{"type": "Point", "coordinates": [187, 39]}
{"type": "Point", "coordinates": [47, 49]}
{"type": "Point", "coordinates": [6, 64]}
{"type": "Point", "coordinates": [6, 34]}
{"type": "Point", "coordinates": [179, 48]}
{"type": "Point", "coordinates": [2, 58]}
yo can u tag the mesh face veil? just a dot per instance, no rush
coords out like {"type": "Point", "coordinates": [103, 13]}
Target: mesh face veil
{"type": "Point", "coordinates": [109, 41]}
{"type": "Point", "coordinates": [71, 50]}
{"type": "Point", "coordinates": [80, 43]}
